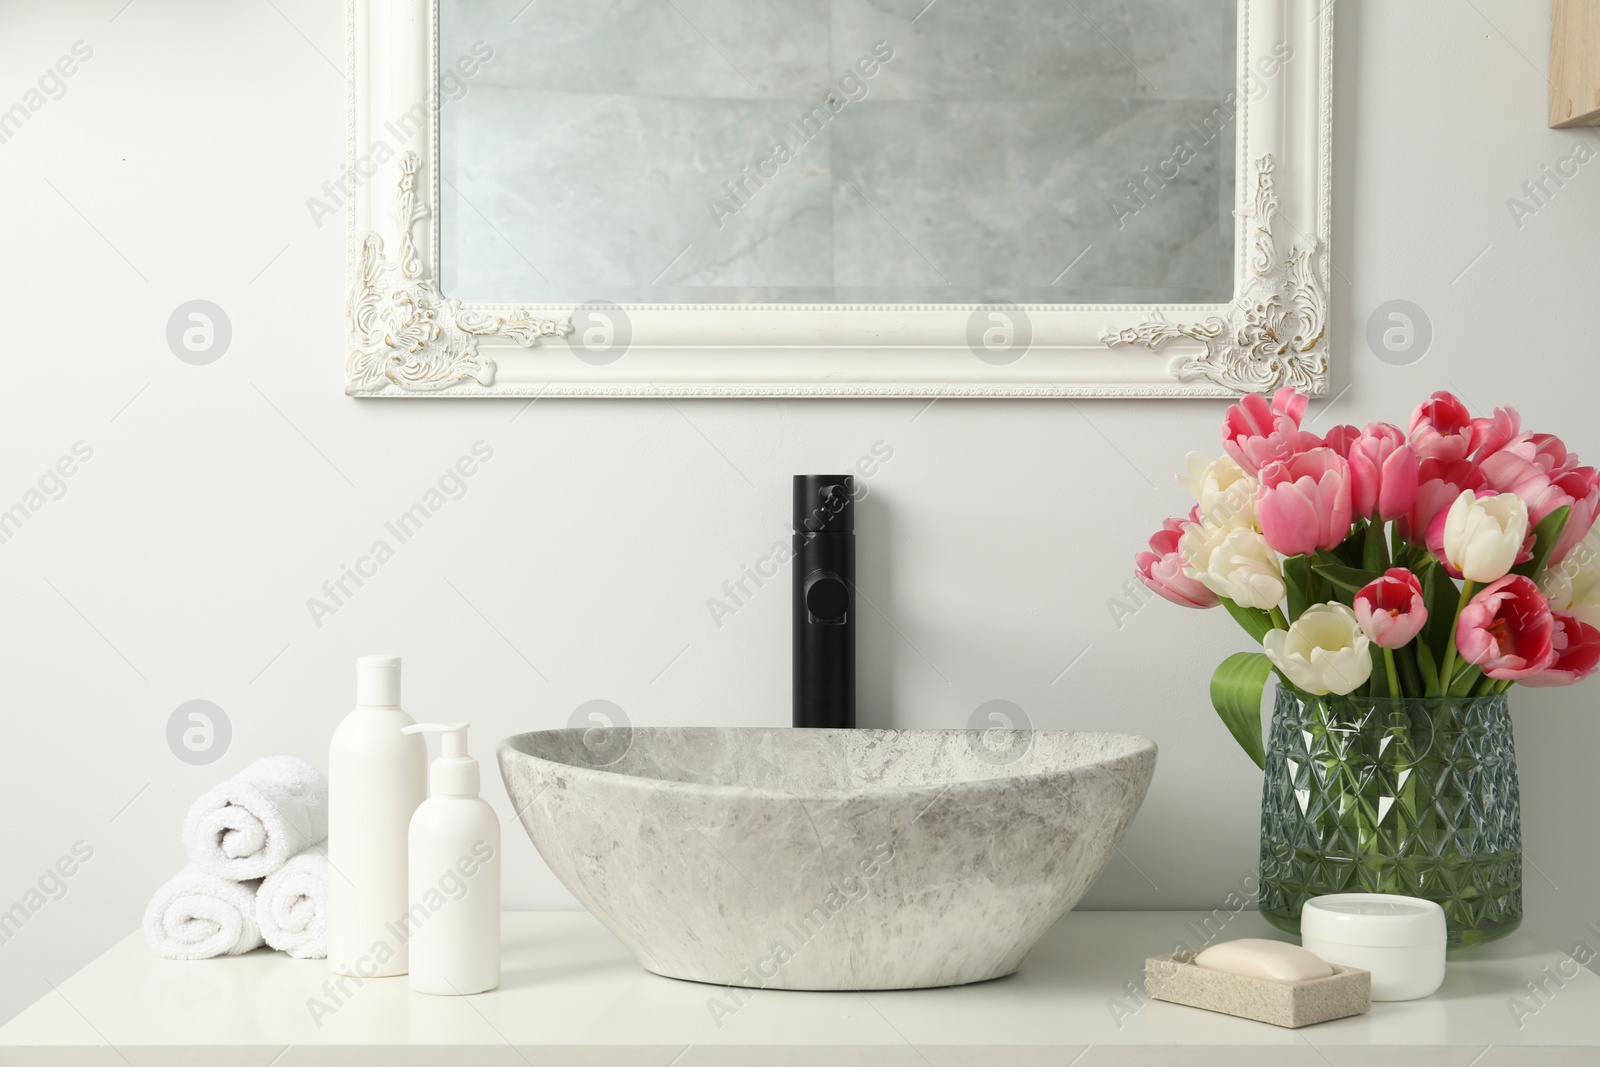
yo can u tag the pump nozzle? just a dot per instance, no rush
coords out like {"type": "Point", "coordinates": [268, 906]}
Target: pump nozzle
{"type": "Point", "coordinates": [454, 773]}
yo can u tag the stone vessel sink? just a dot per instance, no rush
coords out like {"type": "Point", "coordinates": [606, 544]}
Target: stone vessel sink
{"type": "Point", "coordinates": [827, 859]}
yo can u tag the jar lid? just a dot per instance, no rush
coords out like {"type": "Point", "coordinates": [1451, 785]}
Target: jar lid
{"type": "Point", "coordinates": [1373, 920]}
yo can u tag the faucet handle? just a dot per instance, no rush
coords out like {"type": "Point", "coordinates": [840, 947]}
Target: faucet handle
{"type": "Point", "coordinates": [827, 599]}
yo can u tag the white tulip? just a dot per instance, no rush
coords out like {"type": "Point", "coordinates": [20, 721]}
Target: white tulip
{"type": "Point", "coordinates": [1323, 651]}
{"type": "Point", "coordinates": [1236, 564]}
{"type": "Point", "coordinates": [1225, 492]}
{"type": "Point", "coordinates": [1483, 537]}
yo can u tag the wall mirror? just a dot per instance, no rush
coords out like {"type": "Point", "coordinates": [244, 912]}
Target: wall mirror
{"type": "Point", "coordinates": [1026, 198]}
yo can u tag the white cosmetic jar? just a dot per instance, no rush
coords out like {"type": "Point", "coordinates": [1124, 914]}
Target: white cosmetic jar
{"type": "Point", "coordinates": [1399, 939]}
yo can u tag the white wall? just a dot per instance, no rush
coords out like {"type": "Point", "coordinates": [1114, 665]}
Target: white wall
{"type": "Point", "coordinates": [578, 565]}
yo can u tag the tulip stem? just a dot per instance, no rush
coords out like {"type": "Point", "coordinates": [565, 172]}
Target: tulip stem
{"type": "Point", "coordinates": [1278, 621]}
{"type": "Point", "coordinates": [1447, 669]}
{"type": "Point", "coordinates": [1394, 675]}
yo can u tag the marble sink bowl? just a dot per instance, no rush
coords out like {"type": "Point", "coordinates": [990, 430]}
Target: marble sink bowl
{"type": "Point", "coordinates": [827, 859]}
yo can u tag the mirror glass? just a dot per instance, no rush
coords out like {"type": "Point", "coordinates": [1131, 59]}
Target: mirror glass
{"type": "Point", "coordinates": [837, 151]}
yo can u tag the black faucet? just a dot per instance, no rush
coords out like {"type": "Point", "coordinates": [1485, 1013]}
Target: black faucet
{"type": "Point", "coordinates": [824, 600]}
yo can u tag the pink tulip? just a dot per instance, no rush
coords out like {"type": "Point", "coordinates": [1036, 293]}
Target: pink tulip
{"type": "Point", "coordinates": [1522, 457]}
{"type": "Point", "coordinates": [1162, 569]}
{"type": "Point", "coordinates": [1383, 472]}
{"type": "Point", "coordinates": [1442, 428]}
{"type": "Point", "coordinates": [1508, 471]}
{"type": "Point", "coordinates": [1577, 647]}
{"type": "Point", "coordinates": [1508, 629]}
{"type": "Point", "coordinates": [1304, 502]}
{"type": "Point", "coordinates": [1439, 482]}
{"type": "Point", "coordinates": [1549, 453]}
{"type": "Point", "coordinates": [1494, 433]}
{"type": "Point", "coordinates": [1256, 432]}
{"type": "Point", "coordinates": [1390, 609]}
{"type": "Point", "coordinates": [1540, 469]}
{"type": "Point", "coordinates": [1544, 451]}
{"type": "Point", "coordinates": [1582, 484]}
{"type": "Point", "coordinates": [1543, 475]}
{"type": "Point", "coordinates": [1340, 438]}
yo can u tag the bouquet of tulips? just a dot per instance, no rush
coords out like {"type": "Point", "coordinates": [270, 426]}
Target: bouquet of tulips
{"type": "Point", "coordinates": [1342, 554]}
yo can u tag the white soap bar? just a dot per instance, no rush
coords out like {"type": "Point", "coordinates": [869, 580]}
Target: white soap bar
{"type": "Point", "coordinates": [1257, 957]}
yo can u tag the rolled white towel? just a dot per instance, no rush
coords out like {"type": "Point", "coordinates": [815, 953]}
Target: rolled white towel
{"type": "Point", "coordinates": [248, 826]}
{"type": "Point", "coordinates": [292, 906]}
{"type": "Point", "coordinates": [196, 915]}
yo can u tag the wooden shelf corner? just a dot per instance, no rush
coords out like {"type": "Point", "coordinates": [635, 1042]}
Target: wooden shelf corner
{"type": "Point", "coordinates": [1574, 63]}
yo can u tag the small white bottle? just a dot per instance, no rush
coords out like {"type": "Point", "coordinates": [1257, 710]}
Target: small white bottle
{"type": "Point", "coordinates": [377, 776]}
{"type": "Point", "coordinates": [454, 922]}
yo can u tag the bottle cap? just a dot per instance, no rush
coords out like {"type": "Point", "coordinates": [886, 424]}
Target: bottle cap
{"type": "Point", "coordinates": [454, 773]}
{"type": "Point", "coordinates": [378, 682]}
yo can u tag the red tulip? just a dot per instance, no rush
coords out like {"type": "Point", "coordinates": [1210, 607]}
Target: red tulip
{"type": "Point", "coordinates": [1577, 646]}
{"type": "Point", "coordinates": [1304, 502]}
{"type": "Point", "coordinates": [1443, 428]}
{"type": "Point", "coordinates": [1508, 629]}
{"type": "Point", "coordinates": [1256, 432]}
{"type": "Point", "coordinates": [1162, 569]}
{"type": "Point", "coordinates": [1390, 609]}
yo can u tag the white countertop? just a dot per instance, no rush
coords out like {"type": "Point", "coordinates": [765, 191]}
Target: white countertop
{"type": "Point", "coordinates": [572, 994]}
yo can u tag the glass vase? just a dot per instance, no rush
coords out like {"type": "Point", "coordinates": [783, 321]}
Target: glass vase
{"type": "Point", "coordinates": [1384, 795]}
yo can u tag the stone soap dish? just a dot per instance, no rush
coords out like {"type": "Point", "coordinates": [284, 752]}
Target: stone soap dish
{"type": "Point", "coordinates": [1178, 979]}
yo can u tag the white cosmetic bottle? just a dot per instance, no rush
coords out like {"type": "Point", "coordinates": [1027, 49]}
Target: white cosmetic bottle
{"type": "Point", "coordinates": [455, 875]}
{"type": "Point", "coordinates": [376, 779]}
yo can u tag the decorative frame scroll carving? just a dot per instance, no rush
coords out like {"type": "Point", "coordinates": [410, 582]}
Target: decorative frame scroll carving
{"type": "Point", "coordinates": [406, 338]}
{"type": "Point", "coordinates": [1272, 335]}
{"type": "Point", "coordinates": [404, 332]}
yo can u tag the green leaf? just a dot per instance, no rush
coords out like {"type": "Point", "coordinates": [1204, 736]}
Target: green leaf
{"type": "Point", "coordinates": [1256, 622]}
{"type": "Point", "coordinates": [1430, 668]}
{"type": "Point", "coordinates": [1439, 592]}
{"type": "Point", "coordinates": [1468, 677]}
{"type": "Point", "coordinates": [1378, 681]}
{"type": "Point", "coordinates": [1349, 551]}
{"type": "Point", "coordinates": [1399, 551]}
{"type": "Point", "coordinates": [1349, 579]}
{"type": "Point", "coordinates": [1297, 577]}
{"type": "Point", "coordinates": [1410, 676]}
{"type": "Point", "coordinates": [1375, 557]}
{"type": "Point", "coordinates": [1236, 690]}
{"type": "Point", "coordinates": [1545, 536]}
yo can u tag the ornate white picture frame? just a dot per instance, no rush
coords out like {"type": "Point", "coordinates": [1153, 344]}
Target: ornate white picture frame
{"type": "Point", "coordinates": [406, 338]}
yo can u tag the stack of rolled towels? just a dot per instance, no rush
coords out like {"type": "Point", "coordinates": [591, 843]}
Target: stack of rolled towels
{"type": "Point", "coordinates": [257, 872]}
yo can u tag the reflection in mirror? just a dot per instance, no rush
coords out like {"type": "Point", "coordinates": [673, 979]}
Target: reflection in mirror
{"type": "Point", "coordinates": [837, 151]}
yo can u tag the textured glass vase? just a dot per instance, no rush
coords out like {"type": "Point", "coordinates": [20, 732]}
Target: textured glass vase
{"type": "Point", "coordinates": [1378, 795]}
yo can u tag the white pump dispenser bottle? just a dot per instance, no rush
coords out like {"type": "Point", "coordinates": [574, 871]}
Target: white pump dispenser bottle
{"type": "Point", "coordinates": [454, 921]}
{"type": "Point", "coordinates": [376, 779]}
